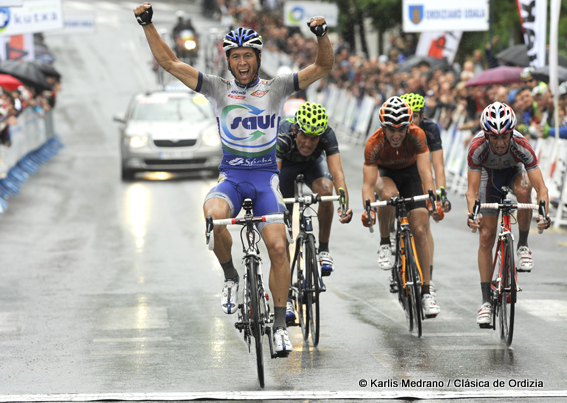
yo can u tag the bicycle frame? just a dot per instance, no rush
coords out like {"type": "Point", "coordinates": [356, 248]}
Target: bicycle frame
{"type": "Point", "coordinates": [504, 285]}
{"type": "Point", "coordinates": [254, 317]}
{"type": "Point", "coordinates": [406, 281]}
{"type": "Point", "coordinates": [305, 291]}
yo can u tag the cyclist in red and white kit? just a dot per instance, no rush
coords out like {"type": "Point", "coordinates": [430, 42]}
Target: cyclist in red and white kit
{"type": "Point", "coordinates": [500, 156]}
{"type": "Point", "coordinates": [248, 111]}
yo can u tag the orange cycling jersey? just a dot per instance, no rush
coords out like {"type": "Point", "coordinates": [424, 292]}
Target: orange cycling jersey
{"type": "Point", "coordinates": [379, 152]}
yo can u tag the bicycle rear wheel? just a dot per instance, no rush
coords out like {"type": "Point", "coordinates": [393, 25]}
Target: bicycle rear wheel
{"type": "Point", "coordinates": [508, 296]}
{"type": "Point", "coordinates": [313, 289]}
{"type": "Point", "coordinates": [256, 323]}
{"type": "Point", "coordinates": [413, 279]}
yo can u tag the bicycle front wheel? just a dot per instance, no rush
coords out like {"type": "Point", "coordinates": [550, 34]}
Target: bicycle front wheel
{"type": "Point", "coordinates": [508, 296]}
{"type": "Point", "coordinates": [256, 322]}
{"type": "Point", "coordinates": [313, 289]}
{"type": "Point", "coordinates": [399, 281]}
{"type": "Point", "coordinates": [413, 281]}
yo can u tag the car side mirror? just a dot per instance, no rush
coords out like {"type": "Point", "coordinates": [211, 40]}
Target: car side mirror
{"type": "Point", "coordinates": [120, 117]}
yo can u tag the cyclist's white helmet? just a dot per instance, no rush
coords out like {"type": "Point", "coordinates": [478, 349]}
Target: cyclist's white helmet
{"type": "Point", "coordinates": [395, 112]}
{"type": "Point", "coordinates": [497, 118]}
{"type": "Point", "coordinates": [242, 37]}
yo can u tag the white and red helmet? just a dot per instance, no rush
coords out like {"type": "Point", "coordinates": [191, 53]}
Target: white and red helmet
{"type": "Point", "coordinates": [497, 118]}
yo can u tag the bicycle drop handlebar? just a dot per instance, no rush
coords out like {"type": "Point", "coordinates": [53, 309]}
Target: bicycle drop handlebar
{"type": "Point", "coordinates": [516, 206]}
{"type": "Point", "coordinates": [395, 200]}
{"type": "Point", "coordinates": [285, 217]}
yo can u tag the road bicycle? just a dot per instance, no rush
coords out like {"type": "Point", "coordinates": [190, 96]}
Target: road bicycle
{"type": "Point", "coordinates": [306, 283]}
{"type": "Point", "coordinates": [254, 316]}
{"type": "Point", "coordinates": [504, 285]}
{"type": "Point", "coordinates": [407, 276]}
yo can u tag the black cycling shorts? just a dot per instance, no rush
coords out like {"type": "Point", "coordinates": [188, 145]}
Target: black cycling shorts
{"type": "Point", "coordinates": [311, 171]}
{"type": "Point", "coordinates": [408, 182]}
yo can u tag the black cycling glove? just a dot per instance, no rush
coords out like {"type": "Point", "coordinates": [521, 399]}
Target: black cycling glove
{"type": "Point", "coordinates": [319, 30]}
{"type": "Point", "coordinates": [146, 17]}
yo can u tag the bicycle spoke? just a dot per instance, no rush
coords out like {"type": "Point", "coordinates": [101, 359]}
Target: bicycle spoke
{"type": "Point", "coordinates": [415, 282]}
{"type": "Point", "coordinates": [315, 288]}
{"type": "Point", "coordinates": [256, 321]}
{"type": "Point", "coordinates": [509, 293]}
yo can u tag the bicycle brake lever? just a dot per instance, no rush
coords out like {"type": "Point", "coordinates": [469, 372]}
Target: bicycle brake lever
{"type": "Point", "coordinates": [209, 233]}
{"type": "Point", "coordinates": [369, 217]}
{"type": "Point", "coordinates": [476, 210]}
{"type": "Point", "coordinates": [342, 201]}
{"type": "Point", "coordinates": [289, 230]}
{"type": "Point", "coordinates": [542, 213]}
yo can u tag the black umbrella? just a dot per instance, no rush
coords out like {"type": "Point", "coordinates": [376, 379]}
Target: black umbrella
{"type": "Point", "coordinates": [27, 72]}
{"type": "Point", "coordinates": [542, 74]}
{"type": "Point", "coordinates": [415, 61]}
{"type": "Point", "coordinates": [47, 69]}
{"type": "Point", "coordinates": [518, 55]}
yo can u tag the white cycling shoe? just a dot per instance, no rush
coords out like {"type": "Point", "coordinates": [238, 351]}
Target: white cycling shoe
{"type": "Point", "coordinates": [229, 296]}
{"type": "Point", "coordinates": [484, 317]}
{"type": "Point", "coordinates": [525, 261]}
{"type": "Point", "coordinates": [281, 342]}
{"type": "Point", "coordinates": [429, 306]}
{"type": "Point", "coordinates": [385, 257]}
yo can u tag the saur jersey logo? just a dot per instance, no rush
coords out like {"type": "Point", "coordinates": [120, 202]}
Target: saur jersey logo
{"type": "Point", "coordinates": [243, 130]}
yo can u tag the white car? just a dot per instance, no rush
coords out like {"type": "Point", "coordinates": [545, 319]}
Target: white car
{"type": "Point", "coordinates": [168, 131]}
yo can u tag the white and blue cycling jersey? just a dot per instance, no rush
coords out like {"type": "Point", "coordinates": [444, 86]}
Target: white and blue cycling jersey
{"type": "Point", "coordinates": [248, 117]}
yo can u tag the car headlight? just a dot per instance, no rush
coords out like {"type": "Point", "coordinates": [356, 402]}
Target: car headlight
{"type": "Point", "coordinates": [137, 141]}
{"type": "Point", "coordinates": [211, 137]}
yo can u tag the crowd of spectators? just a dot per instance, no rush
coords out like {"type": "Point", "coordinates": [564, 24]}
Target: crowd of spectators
{"type": "Point", "coordinates": [13, 101]}
{"type": "Point", "coordinates": [445, 90]}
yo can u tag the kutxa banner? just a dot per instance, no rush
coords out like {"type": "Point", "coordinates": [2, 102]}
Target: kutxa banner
{"type": "Point", "coordinates": [32, 16]}
{"type": "Point", "coordinates": [533, 15]}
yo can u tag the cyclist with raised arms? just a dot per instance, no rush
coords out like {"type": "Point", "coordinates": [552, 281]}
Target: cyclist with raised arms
{"type": "Point", "coordinates": [500, 156]}
{"type": "Point", "coordinates": [396, 161]}
{"type": "Point", "coordinates": [248, 110]}
{"type": "Point", "coordinates": [308, 145]}
{"type": "Point", "coordinates": [433, 135]}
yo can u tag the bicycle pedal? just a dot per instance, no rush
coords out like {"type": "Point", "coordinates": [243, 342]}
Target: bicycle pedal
{"type": "Point", "coordinates": [393, 288]}
{"type": "Point", "coordinates": [485, 326]}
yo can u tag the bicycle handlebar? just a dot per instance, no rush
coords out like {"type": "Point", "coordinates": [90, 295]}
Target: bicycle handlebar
{"type": "Point", "coordinates": [285, 217]}
{"type": "Point", "coordinates": [394, 199]}
{"type": "Point", "coordinates": [516, 206]}
{"type": "Point", "coordinates": [310, 199]}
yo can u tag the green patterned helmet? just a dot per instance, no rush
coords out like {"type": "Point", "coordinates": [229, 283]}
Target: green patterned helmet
{"type": "Point", "coordinates": [415, 101]}
{"type": "Point", "coordinates": [312, 118]}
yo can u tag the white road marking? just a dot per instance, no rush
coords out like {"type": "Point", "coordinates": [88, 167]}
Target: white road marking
{"type": "Point", "coordinates": [132, 340]}
{"type": "Point", "coordinates": [286, 395]}
{"type": "Point", "coordinates": [552, 310]}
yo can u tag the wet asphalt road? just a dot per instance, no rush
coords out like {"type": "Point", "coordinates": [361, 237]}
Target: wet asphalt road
{"type": "Point", "coordinates": [108, 288]}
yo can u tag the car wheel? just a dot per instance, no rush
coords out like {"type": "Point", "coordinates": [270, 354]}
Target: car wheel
{"type": "Point", "coordinates": [127, 174]}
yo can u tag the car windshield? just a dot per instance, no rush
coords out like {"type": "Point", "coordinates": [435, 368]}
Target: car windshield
{"type": "Point", "coordinates": [164, 107]}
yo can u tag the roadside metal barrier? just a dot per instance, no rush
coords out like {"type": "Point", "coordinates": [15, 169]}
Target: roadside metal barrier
{"type": "Point", "coordinates": [33, 143]}
{"type": "Point", "coordinates": [354, 120]}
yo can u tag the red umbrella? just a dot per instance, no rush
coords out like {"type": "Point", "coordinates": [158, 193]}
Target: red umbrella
{"type": "Point", "coordinates": [497, 76]}
{"type": "Point", "coordinates": [9, 82]}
